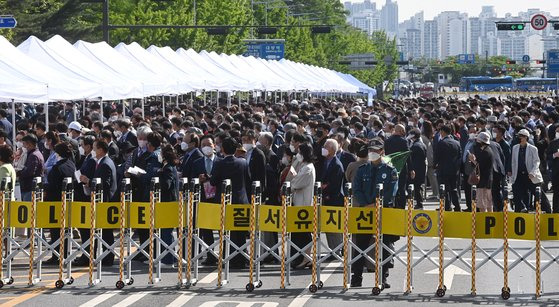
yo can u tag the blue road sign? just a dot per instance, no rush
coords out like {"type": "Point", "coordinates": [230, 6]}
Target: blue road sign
{"type": "Point", "coordinates": [526, 58]}
{"type": "Point", "coordinates": [466, 59]}
{"type": "Point", "coordinates": [267, 51]}
{"type": "Point", "coordinates": [552, 63]}
{"type": "Point", "coordinates": [7, 22]}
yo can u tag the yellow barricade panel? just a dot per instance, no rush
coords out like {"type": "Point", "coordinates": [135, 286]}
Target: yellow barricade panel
{"type": "Point", "coordinates": [425, 223]}
{"type": "Point", "coordinates": [550, 227]}
{"type": "Point", "coordinates": [167, 215]}
{"type": "Point", "coordinates": [457, 225]}
{"type": "Point", "coordinates": [489, 225]}
{"type": "Point", "coordinates": [209, 216]}
{"type": "Point", "coordinates": [394, 221]}
{"type": "Point", "coordinates": [362, 220]}
{"type": "Point", "coordinates": [139, 215]}
{"type": "Point", "coordinates": [269, 218]}
{"type": "Point", "coordinates": [332, 219]}
{"type": "Point", "coordinates": [237, 217]}
{"type": "Point", "coordinates": [107, 215]}
{"type": "Point", "coordinates": [300, 218]}
{"type": "Point", "coordinates": [522, 226]}
{"type": "Point", "coordinates": [48, 214]}
{"type": "Point", "coordinates": [20, 215]}
{"type": "Point", "coordinates": [80, 214]}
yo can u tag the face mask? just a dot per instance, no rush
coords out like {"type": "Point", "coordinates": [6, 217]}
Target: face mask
{"type": "Point", "coordinates": [19, 144]}
{"type": "Point", "coordinates": [184, 146]}
{"type": "Point", "coordinates": [442, 109]}
{"type": "Point", "coordinates": [410, 124]}
{"type": "Point", "coordinates": [373, 156]}
{"type": "Point", "coordinates": [352, 131]}
{"type": "Point", "coordinates": [82, 151]}
{"type": "Point", "coordinates": [557, 135]}
{"type": "Point", "coordinates": [387, 135]}
{"type": "Point", "coordinates": [284, 161]}
{"type": "Point", "coordinates": [421, 120]}
{"type": "Point", "coordinates": [324, 152]}
{"type": "Point", "coordinates": [113, 118]}
{"type": "Point", "coordinates": [218, 148]}
{"type": "Point", "coordinates": [258, 144]}
{"type": "Point", "coordinates": [299, 157]}
{"type": "Point", "coordinates": [292, 148]}
{"type": "Point", "coordinates": [118, 134]}
{"type": "Point", "coordinates": [142, 144]}
{"type": "Point", "coordinates": [248, 147]}
{"type": "Point", "coordinates": [207, 151]}
{"type": "Point", "coordinates": [472, 136]}
{"type": "Point", "coordinates": [409, 138]}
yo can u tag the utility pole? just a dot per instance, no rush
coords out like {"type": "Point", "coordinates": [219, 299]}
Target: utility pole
{"type": "Point", "coordinates": [106, 21]}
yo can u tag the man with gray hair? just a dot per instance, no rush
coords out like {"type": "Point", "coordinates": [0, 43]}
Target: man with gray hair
{"type": "Point", "coordinates": [332, 184]}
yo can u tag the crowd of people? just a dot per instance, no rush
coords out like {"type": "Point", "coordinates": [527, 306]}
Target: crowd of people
{"type": "Point", "coordinates": [460, 143]}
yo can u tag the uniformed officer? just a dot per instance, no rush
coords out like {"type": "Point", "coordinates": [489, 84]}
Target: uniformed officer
{"type": "Point", "coordinates": [365, 192]}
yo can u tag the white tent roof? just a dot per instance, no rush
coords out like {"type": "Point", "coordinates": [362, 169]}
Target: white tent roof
{"type": "Point", "coordinates": [27, 69]}
{"type": "Point", "coordinates": [106, 56]}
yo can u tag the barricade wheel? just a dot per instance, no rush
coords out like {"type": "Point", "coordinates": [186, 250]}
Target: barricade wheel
{"type": "Point", "coordinates": [131, 281]}
{"type": "Point", "coordinates": [505, 293]}
{"type": "Point", "coordinates": [1, 284]}
{"type": "Point", "coordinates": [320, 285]}
{"type": "Point", "coordinates": [259, 284]}
{"type": "Point", "coordinates": [59, 284]}
{"type": "Point", "coordinates": [71, 281]}
{"type": "Point", "coordinates": [249, 287]}
{"type": "Point", "coordinates": [376, 291]}
{"type": "Point", "coordinates": [441, 292]}
{"type": "Point", "coordinates": [187, 285]}
{"type": "Point", "coordinates": [313, 288]}
{"type": "Point", "coordinates": [120, 284]}
{"type": "Point", "coordinates": [10, 281]}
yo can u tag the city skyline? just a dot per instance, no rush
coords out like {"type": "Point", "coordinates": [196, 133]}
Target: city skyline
{"type": "Point", "coordinates": [408, 8]}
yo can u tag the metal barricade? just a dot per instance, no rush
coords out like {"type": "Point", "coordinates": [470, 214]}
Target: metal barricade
{"type": "Point", "coordinates": [35, 234]}
{"type": "Point", "coordinates": [65, 232]}
{"type": "Point", "coordinates": [95, 234]}
{"type": "Point", "coordinates": [6, 233]}
{"type": "Point", "coordinates": [505, 291]}
{"type": "Point", "coordinates": [125, 261]}
{"type": "Point", "coordinates": [226, 199]}
{"type": "Point", "coordinates": [409, 242]}
{"type": "Point", "coordinates": [378, 240]}
{"type": "Point", "coordinates": [184, 201]}
{"type": "Point", "coordinates": [254, 280]}
{"type": "Point", "coordinates": [191, 197]}
{"type": "Point", "coordinates": [316, 283]}
{"type": "Point", "coordinates": [285, 236]}
{"type": "Point", "coordinates": [441, 290]}
{"type": "Point", "coordinates": [348, 203]}
{"type": "Point", "coordinates": [154, 197]}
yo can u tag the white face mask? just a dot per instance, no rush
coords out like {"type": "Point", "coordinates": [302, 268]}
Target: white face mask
{"type": "Point", "coordinates": [472, 136]}
{"type": "Point", "coordinates": [113, 118]}
{"type": "Point", "coordinates": [19, 144]}
{"type": "Point", "coordinates": [184, 146]}
{"type": "Point", "coordinates": [352, 131]}
{"type": "Point", "coordinates": [387, 135]}
{"type": "Point", "coordinates": [556, 135]}
{"type": "Point", "coordinates": [218, 148]}
{"type": "Point", "coordinates": [299, 157]}
{"type": "Point", "coordinates": [248, 147]}
{"type": "Point", "coordinates": [292, 148]}
{"type": "Point", "coordinates": [410, 124]}
{"type": "Point", "coordinates": [373, 156]}
{"type": "Point", "coordinates": [324, 152]}
{"type": "Point", "coordinates": [142, 144]}
{"type": "Point", "coordinates": [118, 134]}
{"type": "Point", "coordinates": [82, 151]}
{"type": "Point", "coordinates": [284, 161]}
{"type": "Point", "coordinates": [207, 151]}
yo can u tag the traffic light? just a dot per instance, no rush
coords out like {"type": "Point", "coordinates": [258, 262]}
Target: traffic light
{"type": "Point", "coordinates": [540, 61]}
{"type": "Point", "coordinates": [511, 62]}
{"type": "Point", "coordinates": [267, 30]}
{"type": "Point", "coordinates": [321, 30]}
{"type": "Point", "coordinates": [510, 26]}
{"type": "Point", "coordinates": [217, 31]}
{"type": "Point", "coordinates": [556, 26]}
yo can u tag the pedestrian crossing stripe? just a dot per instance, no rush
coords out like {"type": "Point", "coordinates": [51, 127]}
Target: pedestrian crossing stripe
{"type": "Point", "coordinates": [489, 225]}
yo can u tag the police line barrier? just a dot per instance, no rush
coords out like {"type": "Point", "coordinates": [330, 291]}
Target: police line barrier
{"type": "Point", "coordinates": [189, 216]}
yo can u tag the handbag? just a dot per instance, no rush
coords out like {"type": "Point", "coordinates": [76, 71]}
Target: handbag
{"type": "Point", "coordinates": [474, 177]}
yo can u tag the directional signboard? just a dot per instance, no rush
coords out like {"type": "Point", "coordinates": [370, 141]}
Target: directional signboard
{"type": "Point", "coordinates": [539, 22]}
{"type": "Point", "coordinates": [7, 22]}
{"type": "Point", "coordinates": [466, 59]}
{"type": "Point", "coordinates": [526, 58]}
{"type": "Point", "coordinates": [553, 63]}
{"type": "Point", "coordinates": [266, 49]}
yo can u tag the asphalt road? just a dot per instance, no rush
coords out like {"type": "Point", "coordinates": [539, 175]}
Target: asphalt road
{"type": "Point", "coordinates": [489, 281]}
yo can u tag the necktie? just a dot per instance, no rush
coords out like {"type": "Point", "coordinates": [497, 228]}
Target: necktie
{"type": "Point", "coordinates": [208, 166]}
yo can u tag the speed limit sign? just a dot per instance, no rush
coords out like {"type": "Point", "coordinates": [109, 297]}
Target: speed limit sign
{"type": "Point", "coordinates": [539, 22]}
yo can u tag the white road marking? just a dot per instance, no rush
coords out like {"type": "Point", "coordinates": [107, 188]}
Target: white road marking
{"type": "Point", "coordinates": [99, 299]}
{"type": "Point", "coordinates": [239, 303]}
{"type": "Point", "coordinates": [449, 273]}
{"type": "Point", "coordinates": [305, 295]}
{"type": "Point", "coordinates": [131, 299]}
{"type": "Point", "coordinates": [182, 299]}
{"type": "Point", "coordinates": [210, 278]}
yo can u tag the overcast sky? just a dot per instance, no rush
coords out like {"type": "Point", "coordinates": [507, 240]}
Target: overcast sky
{"type": "Point", "coordinates": [431, 8]}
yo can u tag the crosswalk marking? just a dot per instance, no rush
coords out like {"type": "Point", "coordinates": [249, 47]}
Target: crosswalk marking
{"type": "Point", "coordinates": [210, 278]}
{"type": "Point", "coordinates": [131, 299]}
{"type": "Point", "coordinates": [304, 296]}
{"type": "Point", "coordinates": [98, 300]}
{"type": "Point", "coordinates": [182, 299]}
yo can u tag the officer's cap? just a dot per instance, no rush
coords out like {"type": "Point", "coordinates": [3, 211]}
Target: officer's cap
{"type": "Point", "coordinates": [376, 144]}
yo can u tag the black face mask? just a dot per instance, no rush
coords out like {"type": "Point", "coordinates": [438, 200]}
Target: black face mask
{"type": "Point", "coordinates": [319, 133]}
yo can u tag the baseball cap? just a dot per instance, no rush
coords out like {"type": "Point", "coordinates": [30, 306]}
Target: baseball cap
{"type": "Point", "coordinates": [483, 137]}
{"type": "Point", "coordinates": [524, 132]}
{"type": "Point", "coordinates": [376, 144]}
{"type": "Point", "coordinates": [75, 126]}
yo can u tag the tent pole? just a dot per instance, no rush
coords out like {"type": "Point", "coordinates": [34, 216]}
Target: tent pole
{"type": "Point", "coordinates": [143, 107]}
{"type": "Point", "coordinates": [83, 107]}
{"type": "Point", "coordinates": [101, 104]}
{"type": "Point", "coordinates": [47, 116]}
{"type": "Point", "coordinates": [163, 104]}
{"type": "Point", "coordinates": [14, 124]}
{"type": "Point", "coordinates": [123, 108]}
{"type": "Point", "coordinates": [75, 111]}
{"type": "Point", "coordinates": [177, 100]}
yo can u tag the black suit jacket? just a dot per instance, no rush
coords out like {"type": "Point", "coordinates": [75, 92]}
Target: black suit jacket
{"type": "Point", "coordinates": [333, 177]}
{"type": "Point", "coordinates": [271, 192]}
{"type": "Point", "coordinates": [169, 183]}
{"type": "Point", "coordinates": [235, 169]}
{"type": "Point", "coordinates": [187, 164]}
{"type": "Point", "coordinates": [418, 159]}
{"type": "Point", "coordinates": [106, 170]}
{"type": "Point", "coordinates": [498, 158]}
{"type": "Point", "coordinates": [62, 169]}
{"type": "Point", "coordinates": [140, 191]}
{"type": "Point", "coordinates": [130, 137]}
{"type": "Point", "coordinates": [199, 168]}
{"type": "Point", "coordinates": [73, 143]}
{"type": "Point", "coordinates": [87, 169]}
{"type": "Point", "coordinates": [448, 157]}
{"type": "Point", "coordinates": [346, 158]}
{"type": "Point", "coordinates": [396, 144]}
{"type": "Point", "coordinates": [257, 169]}
{"type": "Point", "coordinates": [114, 153]}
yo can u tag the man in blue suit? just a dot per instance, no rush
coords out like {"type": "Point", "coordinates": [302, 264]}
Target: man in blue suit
{"type": "Point", "coordinates": [189, 145]}
{"type": "Point", "coordinates": [332, 178]}
{"type": "Point", "coordinates": [202, 169]}
{"type": "Point", "coordinates": [235, 169]}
